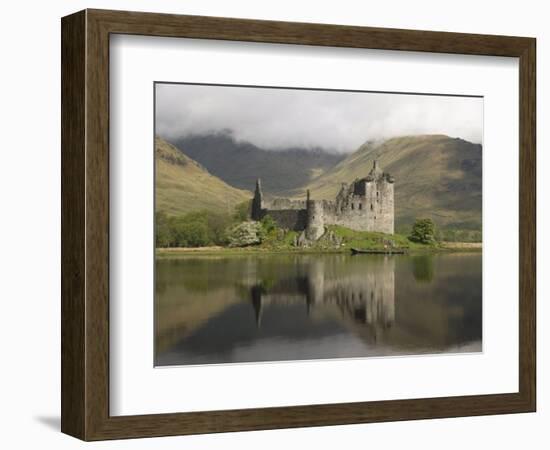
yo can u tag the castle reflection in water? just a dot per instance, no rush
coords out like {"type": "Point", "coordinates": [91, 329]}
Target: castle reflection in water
{"type": "Point", "coordinates": [364, 297]}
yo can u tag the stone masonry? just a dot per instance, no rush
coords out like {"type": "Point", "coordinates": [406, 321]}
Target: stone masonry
{"type": "Point", "coordinates": [364, 205]}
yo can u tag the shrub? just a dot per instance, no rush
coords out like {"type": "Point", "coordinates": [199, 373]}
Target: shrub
{"type": "Point", "coordinates": [268, 224]}
{"type": "Point", "coordinates": [245, 234]}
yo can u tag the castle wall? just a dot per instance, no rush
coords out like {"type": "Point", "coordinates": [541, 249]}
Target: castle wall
{"type": "Point", "coordinates": [373, 211]}
{"type": "Point", "coordinates": [292, 219]}
{"type": "Point", "coordinates": [284, 203]}
{"type": "Point", "coordinates": [351, 214]}
{"type": "Point", "coordinates": [365, 205]}
{"type": "Point", "coordinates": [290, 214]}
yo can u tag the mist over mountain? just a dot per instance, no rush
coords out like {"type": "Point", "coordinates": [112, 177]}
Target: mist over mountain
{"type": "Point", "coordinates": [280, 118]}
{"type": "Point", "coordinates": [241, 163]}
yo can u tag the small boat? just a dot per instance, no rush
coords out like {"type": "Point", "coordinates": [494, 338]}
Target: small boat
{"type": "Point", "coordinates": [389, 251]}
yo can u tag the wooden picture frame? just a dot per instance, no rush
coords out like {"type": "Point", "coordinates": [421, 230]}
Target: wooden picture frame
{"type": "Point", "coordinates": [85, 224]}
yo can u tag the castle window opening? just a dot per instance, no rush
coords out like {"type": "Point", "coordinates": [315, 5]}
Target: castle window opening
{"type": "Point", "coordinates": [360, 206]}
{"type": "Point", "coordinates": [371, 207]}
{"type": "Point", "coordinates": [353, 206]}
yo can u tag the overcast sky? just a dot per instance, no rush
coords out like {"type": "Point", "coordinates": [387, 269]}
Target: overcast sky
{"type": "Point", "coordinates": [340, 121]}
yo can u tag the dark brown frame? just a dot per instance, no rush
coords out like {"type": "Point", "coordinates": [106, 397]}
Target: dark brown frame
{"type": "Point", "coordinates": [85, 224]}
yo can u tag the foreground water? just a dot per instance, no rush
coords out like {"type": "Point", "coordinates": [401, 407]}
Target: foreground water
{"type": "Point", "coordinates": [228, 309]}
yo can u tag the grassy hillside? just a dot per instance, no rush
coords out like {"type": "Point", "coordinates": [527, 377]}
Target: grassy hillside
{"type": "Point", "coordinates": [182, 185]}
{"type": "Point", "coordinates": [435, 176]}
{"type": "Point", "coordinates": [241, 163]}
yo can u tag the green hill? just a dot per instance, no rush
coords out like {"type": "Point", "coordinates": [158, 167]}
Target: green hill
{"type": "Point", "coordinates": [435, 176]}
{"type": "Point", "coordinates": [182, 185]}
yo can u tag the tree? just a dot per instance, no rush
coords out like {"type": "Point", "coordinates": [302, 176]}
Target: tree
{"type": "Point", "coordinates": [423, 231]}
{"type": "Point", "coordinates": [218, 225]}
{"type": "Point", "coordinates": [242, 211]}
{"type": "Point", "coordinates": [190, 230]}
{"type": "Point", "coordinates": [163, 231]}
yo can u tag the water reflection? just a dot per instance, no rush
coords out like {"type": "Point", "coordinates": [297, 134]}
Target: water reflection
{"type": "Point", "coordinates": [423, 268]}
{"type": "Point", "coordinates": [365, 298]}
{"type": "Point", "coordinates": [288, 307]}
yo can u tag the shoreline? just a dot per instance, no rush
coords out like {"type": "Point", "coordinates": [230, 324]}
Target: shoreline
{"type": "Point", "coordinates": [445, 247]}
{"type": "Point", "coordinates": [462, 245]}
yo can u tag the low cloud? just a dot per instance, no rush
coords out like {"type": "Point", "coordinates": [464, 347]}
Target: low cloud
{"type": "Point", "coordinates": [334, 120]}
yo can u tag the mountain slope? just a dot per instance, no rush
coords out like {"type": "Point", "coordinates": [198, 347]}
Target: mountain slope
{"type": "Point", "coordinates": [241, 163]}
{"type": "Point", "coordinates": [182, 185]}
{"type": "Point", "coordinates": [435, 176]}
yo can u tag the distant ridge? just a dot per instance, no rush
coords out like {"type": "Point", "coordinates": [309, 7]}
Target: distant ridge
{"type": "Point", "coordinates": [241, 163]}
{"type": "Point", "coordinates": [183, 185]}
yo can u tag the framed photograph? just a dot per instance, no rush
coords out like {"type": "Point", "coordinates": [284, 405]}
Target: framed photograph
{"type": "Point", "coordinates": [272, 224]}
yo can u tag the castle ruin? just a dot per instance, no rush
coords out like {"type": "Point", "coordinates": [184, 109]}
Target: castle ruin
{"type": "Point", "coordinates": [364, 205]}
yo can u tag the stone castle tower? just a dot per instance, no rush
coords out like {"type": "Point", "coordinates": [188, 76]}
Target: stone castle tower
{"type": "Point", "coordinates": [367, 204]}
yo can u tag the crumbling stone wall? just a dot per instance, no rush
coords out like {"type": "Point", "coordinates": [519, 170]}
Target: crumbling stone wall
{"type": "Point", "coordinates": [367, 204]}
{"type": "Point", "coordinates": [291, 219]}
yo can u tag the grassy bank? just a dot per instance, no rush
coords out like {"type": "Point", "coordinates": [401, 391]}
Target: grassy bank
{"type": "Point", "coordinates": [207, 233]}
{"type": "Point", "coordinates": [336, 240]}
{"type": "Point", "coordinates": [376, 241]}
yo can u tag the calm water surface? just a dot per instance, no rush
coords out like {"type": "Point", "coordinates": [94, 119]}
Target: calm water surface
{"type": "Point", "coordinates": [227, 309]}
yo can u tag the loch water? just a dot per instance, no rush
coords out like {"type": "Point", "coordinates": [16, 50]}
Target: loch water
{"type": "Point", "coordinates": [286, 307]}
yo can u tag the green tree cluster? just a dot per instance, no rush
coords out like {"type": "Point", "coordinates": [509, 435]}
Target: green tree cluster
{"type": "Point", "coordinates": [198, 228]}
{"type": "Point", "coordinates": [242, 211]}
{"type": "Point", "coordinates": [459, 235]}
{"type": "Point", "coordinates": [423, 231]}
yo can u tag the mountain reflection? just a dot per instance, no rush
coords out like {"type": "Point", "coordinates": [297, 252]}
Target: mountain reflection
{"type": "Point", "coordinates": [287, 307]}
